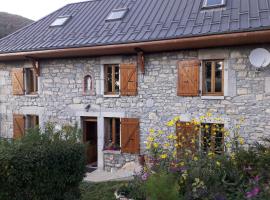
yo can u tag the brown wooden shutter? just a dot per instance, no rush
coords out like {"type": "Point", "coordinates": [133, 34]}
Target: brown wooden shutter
{"type": "Point", "coordinates": [128, 79]}
{"type": "Point", "coordinates": [188, 78]}
{"type": "Point", "coordinates": [130, 136]}
{"type": "Point", "coordinates": [18, 126]}
{"type": "Point", "coordinates": [18, 81]}
{"type": "Point", "coordinates": [188, 137]}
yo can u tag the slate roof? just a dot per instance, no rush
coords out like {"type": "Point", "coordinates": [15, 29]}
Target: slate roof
{"type": "Point", "coordinates": [146, 20]}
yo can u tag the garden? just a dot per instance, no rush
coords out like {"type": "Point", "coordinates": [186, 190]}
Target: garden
{"type": "Point", "coordinates": [216, 164]}
{"type": "Point", "coordinates": [198, 161]}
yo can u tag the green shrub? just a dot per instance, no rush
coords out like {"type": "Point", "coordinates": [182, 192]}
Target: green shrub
{"type": "Point", "coordinates": [45, 165]}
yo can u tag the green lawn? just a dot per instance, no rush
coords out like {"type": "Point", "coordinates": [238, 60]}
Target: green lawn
{"type": "Point", "coordinates": [99, 191]}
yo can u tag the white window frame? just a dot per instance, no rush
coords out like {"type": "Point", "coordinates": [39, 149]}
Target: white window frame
{"type": "Point", "coordinates": [205, 5]}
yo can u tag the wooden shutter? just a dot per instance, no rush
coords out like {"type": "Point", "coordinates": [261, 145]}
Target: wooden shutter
{"type": "Point", "coordinates": [188, 137]}
{"type": "Point", "coordinates": [128, 79]}
{"type": "Point", "coordinates": [130, 136]}
{"type": "Point", "coordinates": [18, 126]}
{"type": "Point", "coordinates": [18, 81]}
{"type": "Point", "coordinates": [188, 78]}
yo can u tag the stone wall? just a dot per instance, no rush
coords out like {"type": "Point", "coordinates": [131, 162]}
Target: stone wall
{"type": "Point", "coordinates": [61, 98]}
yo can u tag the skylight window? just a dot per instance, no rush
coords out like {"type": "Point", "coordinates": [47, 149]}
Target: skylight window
{"type": "Point", "coordinates": [60, 21]}
{"type": "Point", "coordinates": [213, 3]}
{"type": "Point", "coordinates": [117, 14]}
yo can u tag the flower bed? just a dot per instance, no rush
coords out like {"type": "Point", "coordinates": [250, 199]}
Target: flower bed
{"type": "Point", "coordinates": [181, 166]}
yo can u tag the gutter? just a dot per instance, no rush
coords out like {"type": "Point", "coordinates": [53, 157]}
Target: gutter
{"type": "Point", "coordinates": [222, 40]}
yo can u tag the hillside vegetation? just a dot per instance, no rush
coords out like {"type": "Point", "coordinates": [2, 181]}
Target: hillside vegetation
{"type": "Point", "coordinates": [10, 23]}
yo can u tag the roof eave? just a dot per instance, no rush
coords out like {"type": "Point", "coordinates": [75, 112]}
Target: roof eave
{"type": "Point", "coordinates": [230, 39]}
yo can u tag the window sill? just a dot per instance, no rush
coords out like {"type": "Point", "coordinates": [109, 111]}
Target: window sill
{"type": "Point", "coordinates": [212, 97]}
{"type": "Point", "coordinates": [32, 95]}
{"type": "Point", "coordinates": [112, 151]}
{"type": "Point", "coordinates": [111, 95]}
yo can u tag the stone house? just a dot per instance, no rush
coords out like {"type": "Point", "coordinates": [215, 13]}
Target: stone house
{"type": "Point", "coordinates": [121, 67]}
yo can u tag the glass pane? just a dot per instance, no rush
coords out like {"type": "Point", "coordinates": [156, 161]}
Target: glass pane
{"type": "Point", "coordinates": [60, 21]}
{"type": "Point", "coordinates": [116, 14]}
{"type": "Point", "coordinates": [218, 138]}
{"type": "Point", "coordinates": [117, 81]}
{"type": "Point", "coordinates": [109, 79]}
{"type": "Point", "coordinates": [206, 137]}
{"type": "Point", "coordinates": [214, 2]}
{"type": "Point", "coordinates": [29, 81]}
{"type": "Point", "coordinates": [218, 73]}
{"type": "Point", "coordinates": [208, 73]}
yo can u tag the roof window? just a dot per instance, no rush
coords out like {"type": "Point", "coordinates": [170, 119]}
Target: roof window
{"type": "Point", "coordinates": [213, 3]}
{"type": "Point", "coordinates": [60, 21]}
{"type": "Point", "coordinates": [117, 14]}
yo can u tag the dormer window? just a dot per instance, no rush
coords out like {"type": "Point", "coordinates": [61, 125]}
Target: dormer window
{"type": "Point", "coordinates": [213, 3]}
{"type": "Point", "coordinates": [60, 21]}
{"type": "Point", "coordinates": [117, 14]}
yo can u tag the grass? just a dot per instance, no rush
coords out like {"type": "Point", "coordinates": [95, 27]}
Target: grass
{"type": "Point", "coordinates": [99, 191]}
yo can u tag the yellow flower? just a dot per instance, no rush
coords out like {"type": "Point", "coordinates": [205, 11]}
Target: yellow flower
{"type": "Point", "coordinates": [176, 145]}
{"type": "Point", "coordinates": [151, 130]}
{"type": "Point", "coordinates": [182, 164]}
{"type": "Point", "coordinates": [166, 145]}
{"type": "Point", "coordinates": [163, 156]}
{"type": "Point", "coordinates": [241, 140]}
{"type": "Point", "coordinates": [176, 119]}
{"type": "Point", "coordinates": [202, 118]}
{"type": "Point", "coordinates": [195, 158]}
{"type": "Point", "coordinates": [228, 145]}
{"type": "Point", "coordinates": [218, 163]}
{"type": "Point", "coordinates": [174, 153]}
{"type": "Point", "coordinates": [211, 154]}
{"type": "Point", "coordinates": [148, 146]}
{"type": "Point", "coordinates": [170, 123]}
{"type": "Point", "coordinates": [171, 137]}
{"type": "Point", "coordinates": [155, 145]}
{"type": "Point", "coordinates": [208, 114]}
{"type": "Point", "coordinates": [160, 132]}
{"type": "Point", "coordinates": [150, 139]}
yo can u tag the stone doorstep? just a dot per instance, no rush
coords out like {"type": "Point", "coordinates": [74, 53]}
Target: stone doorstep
{"type": "Point", "coordinates": [98, 176]}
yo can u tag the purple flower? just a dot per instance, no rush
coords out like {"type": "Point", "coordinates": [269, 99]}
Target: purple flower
{"type": "Point", "coordinates": [145, 176]}
{"type": "Point", "coordinates": [256, 178]}
{"type": "Point", "coordinates": [254, 192]}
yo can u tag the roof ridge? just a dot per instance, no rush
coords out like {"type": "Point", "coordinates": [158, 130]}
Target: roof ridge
{"type": "Point", "coordinates": [82, 1]}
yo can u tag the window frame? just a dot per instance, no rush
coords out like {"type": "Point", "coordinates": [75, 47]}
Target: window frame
{"type": "Point", "coordinates": [113, 92]}
{"type": "Point", "coordinates": [65, 20]}
{"type": "Point", "coordinates": [213, 139]}
{"type": "Point", "coordinates": [34, 81]}
{"type": "Point", "coordinates": [112, 134]}
{"type": "Point", "coordinates": [29, 119]}
{"type": "Point", "coordinates": [110, 16]}
{"type": "Point", "coordinates": [205, 5]}
{"type": "Point", "coordinates": [213, 78]}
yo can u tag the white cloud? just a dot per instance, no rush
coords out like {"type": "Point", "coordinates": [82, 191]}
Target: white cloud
{"type": "Point", "coordinates": [33, 9]}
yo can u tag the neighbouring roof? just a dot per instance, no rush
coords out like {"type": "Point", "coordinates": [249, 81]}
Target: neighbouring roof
{"type": "Point", "coordinates": [145, 20]}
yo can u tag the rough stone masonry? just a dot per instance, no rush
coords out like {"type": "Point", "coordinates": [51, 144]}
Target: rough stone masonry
{"type": "Point", "coordinates": [61, 99]}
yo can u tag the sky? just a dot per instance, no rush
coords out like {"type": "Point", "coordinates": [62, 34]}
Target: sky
{"type": "Point", "coordinates": [33, 9]}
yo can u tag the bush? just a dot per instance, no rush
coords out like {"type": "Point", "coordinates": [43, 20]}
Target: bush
{"type": "Point", "coordinates": [45, 165]}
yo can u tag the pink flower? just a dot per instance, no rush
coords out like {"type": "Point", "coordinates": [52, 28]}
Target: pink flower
{"type": "Point", "coordinates": [254, 192]}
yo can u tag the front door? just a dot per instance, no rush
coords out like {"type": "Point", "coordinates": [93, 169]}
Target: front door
{"type": "Point", "coordinates": [90, 139]}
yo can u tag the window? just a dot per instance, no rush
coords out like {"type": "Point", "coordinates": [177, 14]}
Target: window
{"type": "Point", "coordinates": [112, 134]}
{"type": "Point", "coordinates": [24, 81]}
{"type": "Point", "coordinates": [122, 134]}
{"type": "Point", "coordinates": [112, 79]}
{"type": "Point", "coordinates": [22, 123]}
{"type": "Point", "coordinates": [212, 137]}
{"type": "Point", "coordinates": [206, 137]}
{"type": "Point", "coordinates": [213, 3]}
{"type": "Point", "coordinates": [88, 85]}
{"type": "Point", "coordinates": [60, 21]}
{"type": "Point", "coordinates": [213, 78]}
{"type": "Point", "coordinates": [31, 81]}
{"type": "Point", "coordinates": [31, 121]}
{"type": "Point", "coordinates": [117, 14]}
